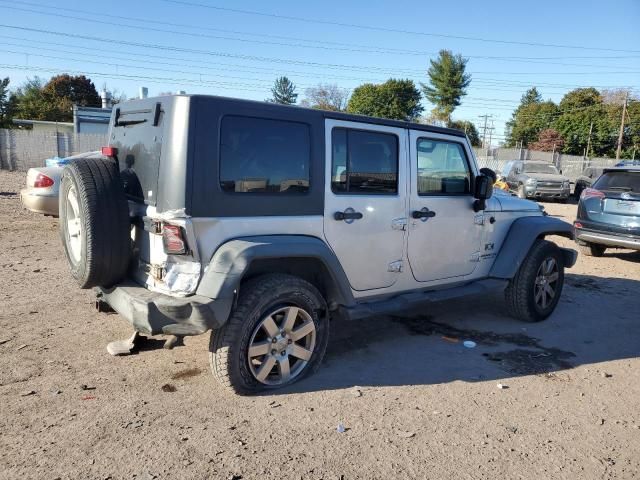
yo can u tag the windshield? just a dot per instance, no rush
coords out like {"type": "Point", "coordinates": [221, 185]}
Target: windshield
{"type": "Point", "coordinates": [540, 168]}
{"type": "Point", "coordinates": [625, 181]}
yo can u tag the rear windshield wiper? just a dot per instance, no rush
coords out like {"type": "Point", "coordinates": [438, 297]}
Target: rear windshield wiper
{"type": "Point", "coordinates": [125, 123]}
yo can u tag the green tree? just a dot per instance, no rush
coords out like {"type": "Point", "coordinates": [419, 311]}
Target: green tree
{"type": "Point", "coordinates": [578, 110]}
{"type": "Point", "coordinates": [283, 92]}
{"type": "Point", "coordinates": [530, 118]}
{"type": "Point", "coordinates": [396, 99]}
{"type": "Point", "coordinates": [469, 128]}
{"type": "Point", "coordinates": [447, 83]}
{"type": "Point", "coordinates": [8, 104]}
{"type": "Point", "coordinates": [54, 100]}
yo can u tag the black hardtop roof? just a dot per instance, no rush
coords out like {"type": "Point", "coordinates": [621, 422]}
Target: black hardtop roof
{"type": "Point", "coordinates": [324, 113]}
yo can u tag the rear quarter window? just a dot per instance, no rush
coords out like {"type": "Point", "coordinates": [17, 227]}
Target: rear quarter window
{"type": "Point", "coordinates": [260, 155]}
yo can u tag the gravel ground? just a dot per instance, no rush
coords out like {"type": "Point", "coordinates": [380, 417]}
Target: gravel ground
{"type": "Point", "coordinates": [415, 403]}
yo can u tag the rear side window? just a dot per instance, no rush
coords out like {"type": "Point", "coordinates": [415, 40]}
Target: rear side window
{"type": "Point", "coordinates": [364, 162]}
{"type": "Point", "coordinates": [260, 155]}
{"type": "Point", "coordinates": [442, 168]}
{"type": "Point", "coordinates": [622, 181]}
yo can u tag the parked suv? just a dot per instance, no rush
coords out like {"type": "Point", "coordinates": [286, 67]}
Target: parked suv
{"type": "Point", "coordinates": [264, 222]}
{"type": "Point", "coordinates": [609, 212]}
{"type": "Point", "coordinates": [540, 180]}
{"type": "Point", "coordinates": [586, 179]}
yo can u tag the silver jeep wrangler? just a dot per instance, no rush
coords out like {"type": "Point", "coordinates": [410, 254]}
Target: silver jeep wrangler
{"type": "Point", "coordinates": [268, 224]}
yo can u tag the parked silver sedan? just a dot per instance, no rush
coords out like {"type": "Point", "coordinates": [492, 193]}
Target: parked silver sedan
{"type": "Point", "coordinates": [43, 184]}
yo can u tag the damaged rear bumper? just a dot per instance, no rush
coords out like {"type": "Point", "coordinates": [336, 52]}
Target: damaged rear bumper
{"type": "Point", "coordinates": [155, 313]}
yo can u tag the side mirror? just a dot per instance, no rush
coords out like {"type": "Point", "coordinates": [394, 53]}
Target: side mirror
{"type": "Point", "coordinates": [482, 192]}
{"type": "Point", "coordinates": [489, 173]}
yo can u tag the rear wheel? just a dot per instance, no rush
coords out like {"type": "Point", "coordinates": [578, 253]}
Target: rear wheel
{"type": "Point", "coordinates": [276, 335]}
{"type": "Point", "coordinates": [534, 292]}
{"type": "Point", "coordinates": [592, 249]}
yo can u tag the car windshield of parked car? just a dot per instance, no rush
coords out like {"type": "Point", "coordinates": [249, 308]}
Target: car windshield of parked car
{"type": "Point", "coordinates": [540, 168]}
{"type": "Point", "coordinates": [625, 181]}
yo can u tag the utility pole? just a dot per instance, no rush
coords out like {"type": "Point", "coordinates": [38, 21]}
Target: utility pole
{"type": "Point", "coordinates": [624, 111]}
{"type": "Point", "coordinates": [586, 152]}
{"type": "Point", "coordinates": [484, 130]}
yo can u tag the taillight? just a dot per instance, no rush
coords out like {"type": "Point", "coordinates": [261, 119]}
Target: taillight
{"type": "Point", "coordinates": [109, 151]}
{"type": "Point", "coordinates": [591, 193]}
{"type": "Point", "coordinates": [42, 181]}
{"type": "Point", "coordinates": [577, 224]}
{"type": "Point", "coordinates": [173, 240]}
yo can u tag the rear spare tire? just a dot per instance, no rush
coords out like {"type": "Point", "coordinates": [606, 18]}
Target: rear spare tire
{"type": "Point", "coordinates": [94, 222]}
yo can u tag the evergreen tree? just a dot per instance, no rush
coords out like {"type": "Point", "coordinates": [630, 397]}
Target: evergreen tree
{"type": "Point", "coordinates": [283, 92]}
{"type": "Point", "coordinates": [447, 84]}
{"type": "Point", "coordinates": [8, 104]}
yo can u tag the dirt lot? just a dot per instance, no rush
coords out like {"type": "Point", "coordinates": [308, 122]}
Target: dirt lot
{"type": "Point", "coordinates": [414, 404]}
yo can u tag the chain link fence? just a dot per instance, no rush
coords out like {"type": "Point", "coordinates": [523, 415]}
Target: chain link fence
{"type": "Point", "coordinates": [571, 165]}
{"type": "Point", "coordinates": [23, 149]}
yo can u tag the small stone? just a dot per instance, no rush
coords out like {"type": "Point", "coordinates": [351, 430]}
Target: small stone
{"type": "Point", "coordinates": [600, 422]}
{"type": "Point", "coordinates": [606, 375]}
{"type": "Point", "coordinates": [406, 434]}
{"type": "Point", "coordinates": [275, 405]}
{"type": "Point", "coordinates": [167, 387]}
{"type": "Point", "coordinates": [24, 345]}
{"type": "Point", "coordinates": [356, 392]}
{"type": "Point", "coordinates": [502, 386]}
{"type": "Point", "coordinates": [37, 270]}
{"type": "Point", "coordinates": [27, 393]}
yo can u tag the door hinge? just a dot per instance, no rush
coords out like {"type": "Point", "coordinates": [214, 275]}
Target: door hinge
{"type": "Point", "coordinates": [399, 223]}
{"type": "Point", "coordinates": [475, 257]}
{"type": "Point", "coordinates": [395, 266]}
{"type": "Point", "coordinates": [479, 219]}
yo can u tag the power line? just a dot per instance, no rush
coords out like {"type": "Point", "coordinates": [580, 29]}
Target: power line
{"type": "Point", "coordinates": [29, 44]}
{"type": "Point", "coordinates": [263, 59]}
{"type": "Point", "coordinates": [335, 45]}
{"type": "Point", "coordinates": [391, 30]}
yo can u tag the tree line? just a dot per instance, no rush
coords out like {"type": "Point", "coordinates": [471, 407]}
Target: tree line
{"type": "Point", "coordinates": [586, 122]}
{"type": "Point", "coordinates": [398, 99]}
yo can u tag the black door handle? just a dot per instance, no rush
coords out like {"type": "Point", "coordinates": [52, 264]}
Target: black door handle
{"type": "Point", "coordinates": [424, 213]}
{"type": "Point", "coordinates": [347, 215]}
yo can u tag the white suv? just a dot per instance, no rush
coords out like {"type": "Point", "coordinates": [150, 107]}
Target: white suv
{"type": "Point", "coordinates": [267, 223]}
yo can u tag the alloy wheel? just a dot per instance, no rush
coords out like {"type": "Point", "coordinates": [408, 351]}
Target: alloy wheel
{"type": "Point", "coordinates": [281, 345]}
{"type": "Point", "coordinates": [546, 282]}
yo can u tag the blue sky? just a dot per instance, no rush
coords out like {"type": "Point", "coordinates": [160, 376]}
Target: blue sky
{"type": "Point", "coordinates": [187, 45]}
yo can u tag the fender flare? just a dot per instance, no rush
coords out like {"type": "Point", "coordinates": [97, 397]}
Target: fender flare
{"type": "Point", "coordinates": [522, 234]}
{"type": "Point", "coordinates": [232, 259]}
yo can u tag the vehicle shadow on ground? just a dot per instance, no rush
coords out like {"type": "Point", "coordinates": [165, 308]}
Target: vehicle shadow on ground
{"type": "Point", "coordinates": [596, 321]}
{"type": "Point", "coordinates": [626, 255]}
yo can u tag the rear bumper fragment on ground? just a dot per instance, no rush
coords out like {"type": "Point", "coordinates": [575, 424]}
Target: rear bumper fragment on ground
{"type": "Point", "coordinates": [156, 313]}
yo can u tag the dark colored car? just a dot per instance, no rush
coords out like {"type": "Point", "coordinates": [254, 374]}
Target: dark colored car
{"type": "Point", "coordinates": [609, 212]}
{"type": "Point", "coordinates": [589, 175]}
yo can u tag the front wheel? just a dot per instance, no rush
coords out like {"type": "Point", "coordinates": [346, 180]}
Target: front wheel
{"type": "Point", "coordinates": [534, 292]}
{"type": "Point", "coordinates": [276, 335]}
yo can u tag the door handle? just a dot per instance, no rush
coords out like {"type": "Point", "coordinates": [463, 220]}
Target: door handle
{"type": "Point", "coordinates": [347, 215]}
{"type": "Point", "coordinates": [423, 214]}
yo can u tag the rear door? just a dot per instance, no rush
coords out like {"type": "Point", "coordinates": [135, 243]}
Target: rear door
{"type": "Point", "coordinates": [365, 201]}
